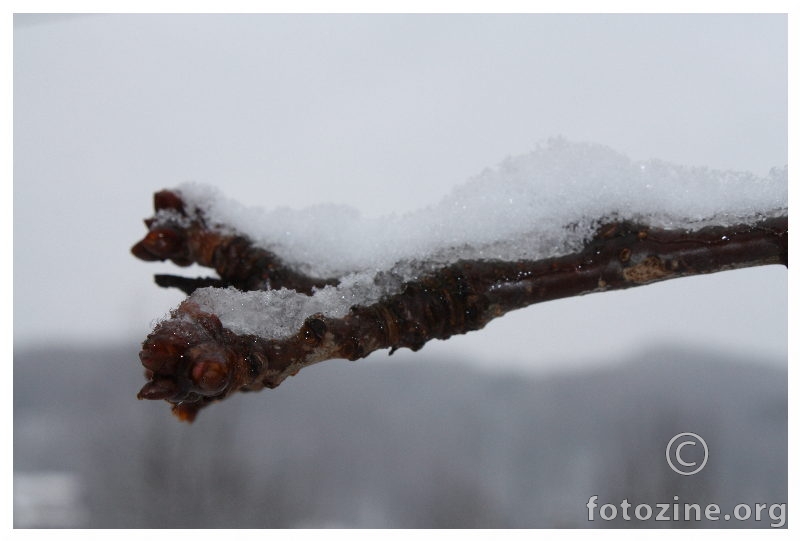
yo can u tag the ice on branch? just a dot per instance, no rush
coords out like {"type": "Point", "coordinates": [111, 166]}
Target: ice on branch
{"type": "Point", "coordinates": [300, 287]}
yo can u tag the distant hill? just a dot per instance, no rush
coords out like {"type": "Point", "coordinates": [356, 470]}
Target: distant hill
{"type": "Point", "coordinates": [428, 443]}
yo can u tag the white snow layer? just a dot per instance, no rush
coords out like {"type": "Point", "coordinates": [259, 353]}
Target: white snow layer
{"type": "Point", "coordinates": [542, 204]}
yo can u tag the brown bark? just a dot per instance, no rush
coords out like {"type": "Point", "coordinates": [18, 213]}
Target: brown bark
{"type": "Point", "coordinates": [192, 360]}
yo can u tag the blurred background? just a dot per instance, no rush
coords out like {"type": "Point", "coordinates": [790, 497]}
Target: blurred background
{"type": "Point", "coordinates": [517, 425]}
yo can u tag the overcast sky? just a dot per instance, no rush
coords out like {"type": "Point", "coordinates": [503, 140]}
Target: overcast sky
{"type": "Point", "coordinates": [387, 114]}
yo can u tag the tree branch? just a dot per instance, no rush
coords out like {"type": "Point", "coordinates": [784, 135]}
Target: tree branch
{"type": "Point", "coordinates": [192, 360]}
{"type": "Point", "coordinates": [184, 239]}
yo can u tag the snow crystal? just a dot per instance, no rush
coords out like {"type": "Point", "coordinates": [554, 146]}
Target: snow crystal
{"type": "Point", "coordinates": [542, 204]}
{"type": "Point", "coordinates": [279, 313]}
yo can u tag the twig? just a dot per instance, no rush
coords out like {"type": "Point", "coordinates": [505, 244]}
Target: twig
{"type": "Point", "coordinates": [188, 285]}
{"type": "Point", "coordinates": [192, 360]}
{"type": "Point", "coordinates": [237, 261]}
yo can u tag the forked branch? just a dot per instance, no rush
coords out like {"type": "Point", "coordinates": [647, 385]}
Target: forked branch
{"type": "Point", "coordinates": [192, 360]}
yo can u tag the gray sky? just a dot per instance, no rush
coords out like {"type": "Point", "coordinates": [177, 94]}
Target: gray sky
{"type": "Point", "coordinates": [384, 113]}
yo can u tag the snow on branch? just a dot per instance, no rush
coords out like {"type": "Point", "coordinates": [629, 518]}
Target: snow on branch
{"type": "Point", "coordinates": [185, 240]}
{"type": "Point", "coordinates": [296, 288]}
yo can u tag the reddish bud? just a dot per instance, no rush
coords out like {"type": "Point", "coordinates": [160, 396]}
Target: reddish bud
{"type": "Point", "coordinates": [166, 199]}
{"type": "Point", "coordinates": [186, 412]}
{"type": "Point", "coordinates": [158, 389]}
{"type": "Point", "coordinates": [209, 373]}
{"type": "Point", "coordinates": [141, 251]}
{"type": "Point", "coordinates": [210, 377]}
{"type": "Point", "coordinates": [162, 352]}
{"type": "Point", "coordinates": [164, 242]}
